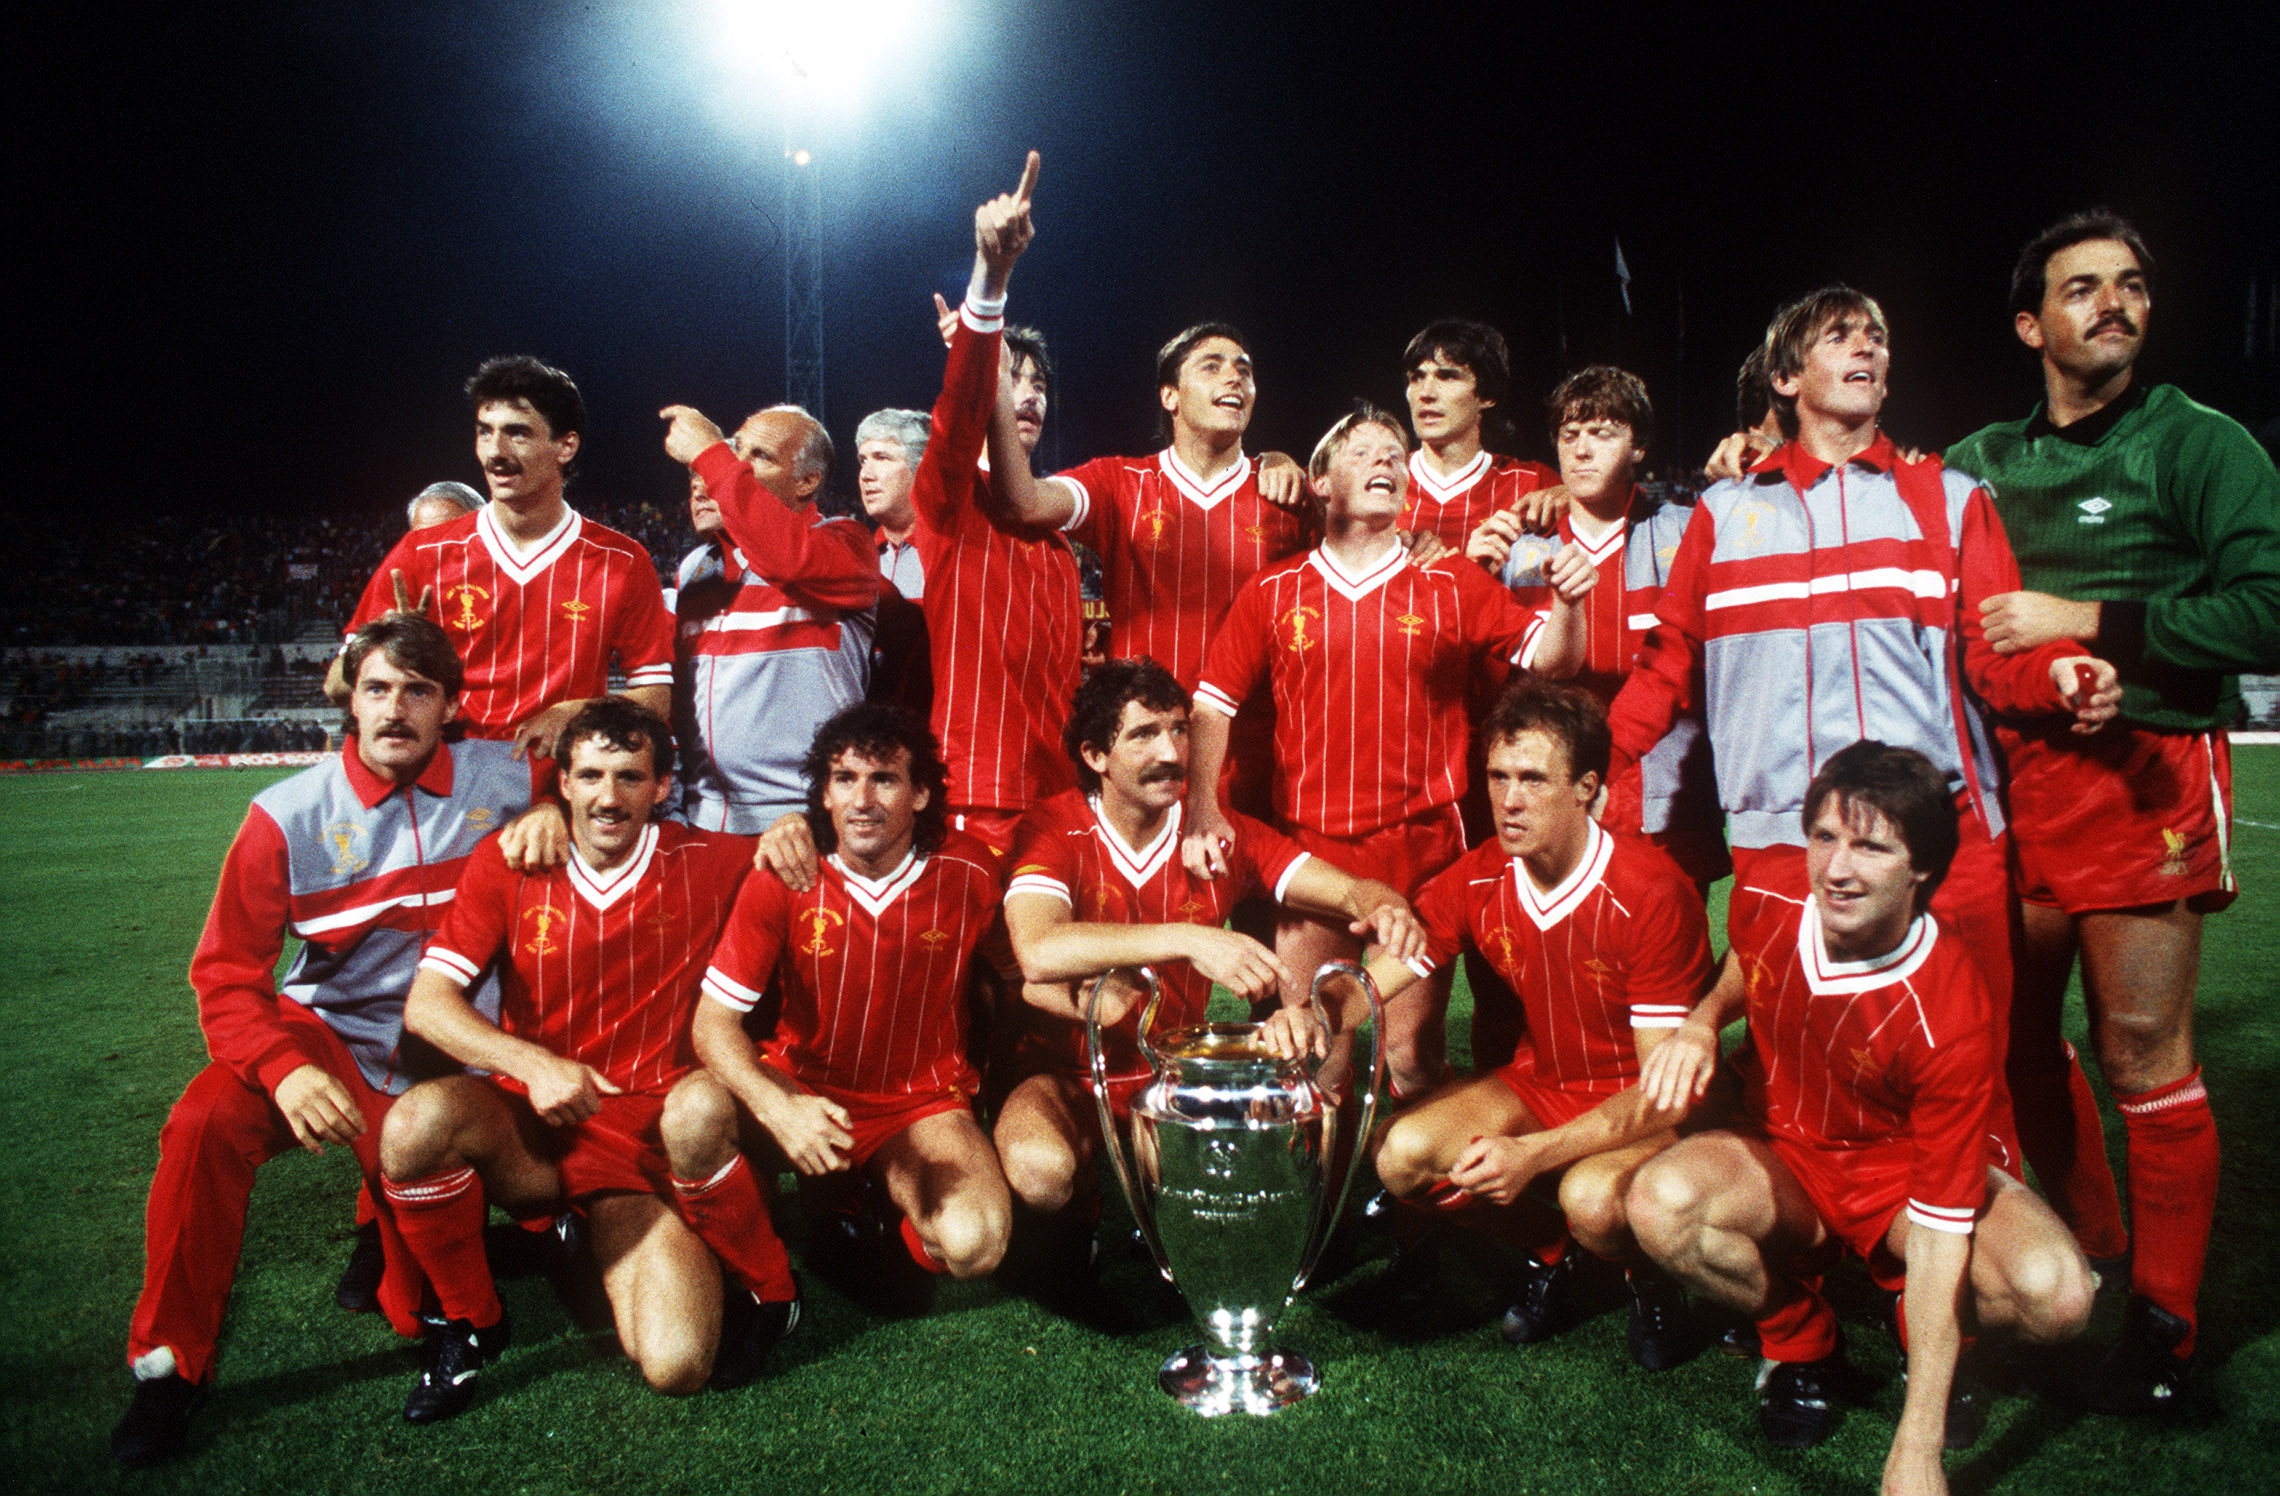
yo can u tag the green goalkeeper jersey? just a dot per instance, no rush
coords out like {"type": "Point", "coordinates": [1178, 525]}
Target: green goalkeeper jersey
{"type": "Point", "coordinates": [2168, 513]}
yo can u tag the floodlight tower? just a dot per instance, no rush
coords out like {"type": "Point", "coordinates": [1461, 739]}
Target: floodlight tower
{"type": "Point", "coordinates": [803, 255]}
{"type": "Point", "coordinates": [812, 55]}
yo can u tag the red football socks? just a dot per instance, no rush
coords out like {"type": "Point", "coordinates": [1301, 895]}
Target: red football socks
{"type": "Point", "coordinates": [441, 1219]}
{"type": "Point", "coordinates": [728, 1212]}
{"type": "Point", "coordinates": [2066, 1145]}
{"type": "Point", "coordinates": [2173, 1192]}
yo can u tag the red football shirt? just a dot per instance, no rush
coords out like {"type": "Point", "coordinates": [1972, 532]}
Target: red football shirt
{"type": "Point", "coordinates": [874, 970]}
{"type": "Point", "coordinates": [1899, 1050]}
{"type": "Point", "coordinates": [1004, 620]}
{"type": "Point", "coordinates": [538, 627]}
{"type": "Point", "coordinates": [601, 968]}
{"type": "Point", "coordinates": [1453, 507]}
{"type": "Point", "coordinates": [1616, 622]}
{"type": "Point", "coordinates": [1369, 677]}
{"type": "Point", "coordinates": [1620, 944]}
{"type": "Point", "coordinates": [1066, 850]}
{"type": "Point", "coordinates": [1174, 549]}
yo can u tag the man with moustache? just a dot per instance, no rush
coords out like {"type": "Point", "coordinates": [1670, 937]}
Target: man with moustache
{"type": "Point", "coordinates": [2147, 526]}
{"type": "Point", "coordinates": [1098, 884]}
{"type": "Point", "coordinates": [535, 596]}
{"type": "Point", "coordinates": [356, 857]}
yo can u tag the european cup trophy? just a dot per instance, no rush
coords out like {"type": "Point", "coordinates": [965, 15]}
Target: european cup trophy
{"type": "Point", "coordinates": [1230, 1179]}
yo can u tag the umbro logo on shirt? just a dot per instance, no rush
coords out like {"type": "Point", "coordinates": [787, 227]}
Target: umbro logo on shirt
{"type": "Point", "coordinates": [2093, 511]}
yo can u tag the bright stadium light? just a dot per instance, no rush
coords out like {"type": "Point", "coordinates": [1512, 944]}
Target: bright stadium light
{"type": "Point", "coordinates": [831, 49]}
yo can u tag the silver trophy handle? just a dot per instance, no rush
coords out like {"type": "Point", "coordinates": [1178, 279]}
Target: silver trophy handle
{"type": "Point", "coordinates": [1336, 1199]}
{"type": "Point", "coordinates": [1111, 1140]}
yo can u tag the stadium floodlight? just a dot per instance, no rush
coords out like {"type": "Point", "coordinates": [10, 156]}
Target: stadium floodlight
{"type": "Point", "coordinates": [830, 50]}
{"type": "Point", "coordinates": [812, 58]}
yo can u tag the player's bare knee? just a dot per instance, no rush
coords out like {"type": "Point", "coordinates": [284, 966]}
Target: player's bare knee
{"type": "Point", "coordinates": [679, 1367]}
{"type": "Point", "coordinates": [1592, 1201]}
{"type": "Point", "coordinates": [416, 1139]}
{"type": "Point", "coordinates": [1407, 1152]}
{"type": "Point", "coordinates": [1042, 1172]}
{"type": "Point", "coordinates": [970, 1236]}
{"type": "Point", "coordinates": [1664, 1210]}
{"type": "Point", "coordinates": [698, 1125]}
{"type": "Point", "coordinates": [2052, 1290]}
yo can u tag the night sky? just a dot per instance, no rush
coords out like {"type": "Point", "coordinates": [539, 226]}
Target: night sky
{"type": "Point", "coordinates": [268, 243]}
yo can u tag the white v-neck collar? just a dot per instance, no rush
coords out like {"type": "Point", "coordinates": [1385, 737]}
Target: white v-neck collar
{"type": "Point", "coordinates": [1188, 482]}
{"type": "Point", "coordinates": [1825, 976]}
{"type": "Point", "coordinates": [602, 889]}
{"type": "Point", "coordinates": [1608, 544]}
{"type": "Point", "coordinates": [1442, 489]}
{"type": "Point", "coordinates": [1137, 865]}
{"type": "Point", "coordinates": [524, 565]}
{"type": "Point", "coordinates": [875, 894]}
{"type": "Point", "coordinates": [1354, 586]}
{"type": "Point", "coordinates": [1548, 906]}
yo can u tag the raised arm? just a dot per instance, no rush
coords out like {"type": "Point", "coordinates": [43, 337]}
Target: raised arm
{"type": "Point", "coordinates": [1002, 230]}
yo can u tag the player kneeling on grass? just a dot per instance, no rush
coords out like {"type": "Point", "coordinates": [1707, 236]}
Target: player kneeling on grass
{"type": "Point", "coordinates": [867, 1069]}
{"type": "Point", "coordinates": [350, 856]}
{"type": "Point", "coordinates": [1098, 884]}
{"type": "Point", "coordinates": [1872, 1105]}
{"type": "Point", "coordinates": [593, 1096]}
{"type": "Point", "coordinates": [1605, 941]}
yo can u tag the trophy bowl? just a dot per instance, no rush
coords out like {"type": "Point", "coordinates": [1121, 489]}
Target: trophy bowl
{"type": "Point", "coordinates": [1230, 1177]}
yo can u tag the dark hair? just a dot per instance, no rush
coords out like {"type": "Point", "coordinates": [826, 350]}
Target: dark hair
{"type": "Point", "coordinates": [1795, 327]}
{"type": "Point", "coordinates": [1570, 717]}
{"type": "Point", "coordinates": [1900, 785]}
{"type": "Point", "coordinates": [1173, 354]}
{"type": "Point", "coordinates": [2030, 278]}
{"type": "Point", "coordinates": [1479, 348]}
{"type": "Point", "coordinates": [1603, 393]}
{"type": "Point", "coordinates": [408, 641]}
{"type": "Point", "coordinates": [621, 725]}
{"type": "Point", "coordinates": [875, 730]}
{"type": "Point", "coordinates": [1753, 391]}
{"type": "Point", "coordinates": [1099, 707]}
{"type": "Point", "coordinates": [541, 386]}
{"type": "Point", "coordinates": [1028, 343]}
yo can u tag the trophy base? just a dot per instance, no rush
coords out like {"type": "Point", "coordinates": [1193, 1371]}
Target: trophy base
{"type": "Point", "coordinates": [1256, 1384]}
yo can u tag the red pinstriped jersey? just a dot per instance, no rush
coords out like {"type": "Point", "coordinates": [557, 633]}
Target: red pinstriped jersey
{"type": "Point", "coordinates": [1619, 944]}
{"type": "Point", "coordinates": [538, 627]}
{"type": "Point", "coordinates": [1369, 676]}
{"type": "Point", "coordinates": [1067, 850]}
{"type": "Point", "coordinates": [1174, 549]}
{"type": "Point", "coordinates": [1616, 619]}
{"type": "Point", "coordinates": [1453, 507]}
{"type": "Point", "coordinates": [1895, 1051]}
{"type": "Point", "coordinates": [874, 969]}
{"type": "Point", "coordinates": [601, 968]}
{"type": "Point", "coordinates": [1003, 616]}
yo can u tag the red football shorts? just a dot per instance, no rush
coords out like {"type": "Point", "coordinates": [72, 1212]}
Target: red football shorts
{"type": "Point", "coordinates": [1551, 1106]}
{"type": "Point", "coordinates": [1405, 854]}
{"type": "Point", "coordinates": [993, 826]}
{"type": "Point", "coordinates": [875, 1116]}
{"type": "Point", "coordinates": [619, 1148]}
{"type": "Point", "coordinates": [2122, 817]}
{"type": "Point", "coordinates": [1860, 1191]}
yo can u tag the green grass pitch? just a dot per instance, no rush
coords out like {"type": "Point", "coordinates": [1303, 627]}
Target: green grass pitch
{"type": "Point", "coordinates": [105, 879]}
